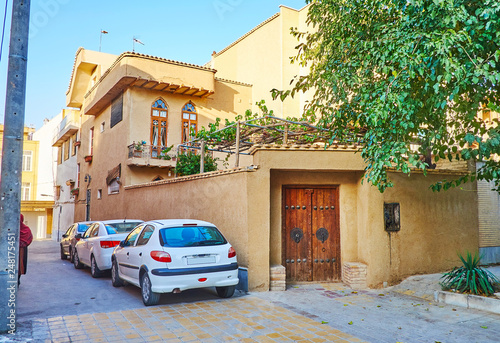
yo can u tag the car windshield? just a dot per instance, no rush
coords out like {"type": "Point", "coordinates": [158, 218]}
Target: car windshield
{"type": "Point", "coordinates": [188, 236]}
{"type": "Point", "coordinates": [83, 227]}
{"type": "Point", "coordinates": [120, 227]}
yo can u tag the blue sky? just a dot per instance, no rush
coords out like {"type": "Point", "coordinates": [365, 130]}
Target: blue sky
{"type": "Point", "coordinates": [178, 30]}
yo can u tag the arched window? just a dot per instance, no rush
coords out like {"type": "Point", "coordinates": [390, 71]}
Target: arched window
{"type": "Point", "coordinates": [189, 122]}
{"type": "Point", "coordinates": [159, 114]}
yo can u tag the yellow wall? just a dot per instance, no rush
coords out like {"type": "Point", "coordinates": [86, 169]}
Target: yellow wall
{"type": "Point", "coordinates": [30, 177]}
{"type": "Point", "coordinates": [262, 58]}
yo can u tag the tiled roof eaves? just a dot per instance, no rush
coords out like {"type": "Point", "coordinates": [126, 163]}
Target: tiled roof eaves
{"type": "Point", "coordinates": [247, 34]}
{"type": "Point", "coordinates": [194, 177]}
{"type": "Point", "coordinates": [431, 171]}
{"type": "Point", "coordinates": [73, 71]}
{"type": "Point", "coordinates": [160, 59]}
{"type": "Point", "coordinates": [235, 82]}
{"type": "Point", "coordinates": [303, 147]}
{"type": "Point", "coordinates": [134, 54]}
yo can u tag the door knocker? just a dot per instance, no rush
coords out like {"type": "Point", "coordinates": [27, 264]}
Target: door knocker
{"type": "Point", "coordinates": [322, 234]}
{"type": "Point", "coordinates": [296, 234]}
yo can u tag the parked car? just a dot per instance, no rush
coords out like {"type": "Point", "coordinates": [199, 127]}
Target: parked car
{"type": "Point", "coordinates": [96, 245]}
{"type": "Point", "coordinates": [68, 240]}
{"type": "Point", "coordinates": [172, 255]}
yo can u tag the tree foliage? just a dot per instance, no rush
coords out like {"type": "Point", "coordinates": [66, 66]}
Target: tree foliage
{"type": "Point", "coordinates": [189, 162]}
{"type": "Point", "coordinates": [404, 78]}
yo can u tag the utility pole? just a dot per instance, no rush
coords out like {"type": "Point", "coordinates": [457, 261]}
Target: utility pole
{"type": "Point", "coordinates": [12, 154]}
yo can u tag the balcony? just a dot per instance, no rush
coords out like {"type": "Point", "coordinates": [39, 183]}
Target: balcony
{"type": "Point", "coordinates": [68, 127]}
{"type": "Point", "coordinates": [141, 155]}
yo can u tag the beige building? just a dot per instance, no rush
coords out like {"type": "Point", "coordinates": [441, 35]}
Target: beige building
{"type": "Point", "coordinates": [134, 111]}
{"type": "Point", "coordinates": [261, 58]}
{"type": "Point", "coordinates": [293, 212]}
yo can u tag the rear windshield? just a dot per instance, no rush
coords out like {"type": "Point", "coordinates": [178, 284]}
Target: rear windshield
{"type": "Point", "coordinates": [121, 227]}
{"type": "Point", "coordinates": [83, 227]}
{"type": "Point", "coordinates": [188, 236]}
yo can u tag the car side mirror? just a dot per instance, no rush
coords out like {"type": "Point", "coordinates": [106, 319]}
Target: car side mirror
{"type": "Point", "coordinates": [78, 236]}
{"type": "Point", "coordinates": [123, 244]}
{"type": "Point", "coordinates": [64, 236]}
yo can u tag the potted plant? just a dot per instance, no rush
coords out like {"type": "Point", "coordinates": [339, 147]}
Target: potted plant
{"type": "Point", "coordinates": [138, 148]}
{"type": "Point", "coordinates": [164, 153]}
{"type": "Point", "coordinates": [75, 191]}
{"type": "Point", "coordinates": [88, 158]}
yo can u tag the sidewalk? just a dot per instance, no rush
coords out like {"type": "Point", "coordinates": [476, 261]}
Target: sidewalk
{"type": "Point", "coordinates": [247, 319]}
{"type": "Point", "coordinates": [321, 312]}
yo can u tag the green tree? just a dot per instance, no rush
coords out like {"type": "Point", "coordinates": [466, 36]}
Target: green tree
{"type": "Point", "coordinates": [389, 74]}
{"type": "Point", "coordinates": [189, 163]}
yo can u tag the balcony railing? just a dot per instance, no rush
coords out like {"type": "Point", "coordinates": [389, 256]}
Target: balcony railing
{"type": "Point", "coordinates": [151, 156]}
{"type": "Point", "coordinates": [69, 126]}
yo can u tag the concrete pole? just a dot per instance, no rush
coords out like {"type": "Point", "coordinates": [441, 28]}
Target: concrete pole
{"type": "Point", "coordinates": [10, 188]}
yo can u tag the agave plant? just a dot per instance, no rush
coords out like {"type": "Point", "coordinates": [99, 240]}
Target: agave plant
{"type": "Point", "coordinates": [470, 278]}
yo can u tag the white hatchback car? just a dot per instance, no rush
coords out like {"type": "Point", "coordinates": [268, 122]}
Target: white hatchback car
{"type": "Point", "coordinates": [96, 245]}
{"type": "Point", "coordinates": [172, 255]}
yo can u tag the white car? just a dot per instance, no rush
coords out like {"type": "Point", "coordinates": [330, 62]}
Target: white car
{"type": "Point", "coordinates": [172, 255]}
{"type": "Point", "coordinates": [96, 245]}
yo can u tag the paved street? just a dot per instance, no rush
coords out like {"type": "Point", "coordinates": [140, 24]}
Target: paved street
{"type": "Point", "coordinates": [60, 304]}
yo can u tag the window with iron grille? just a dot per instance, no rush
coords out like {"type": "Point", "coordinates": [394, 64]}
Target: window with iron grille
{"type": "Point", "coordinates": [392, 217]}
{"type": "Point", "coordinates": [114, 187]}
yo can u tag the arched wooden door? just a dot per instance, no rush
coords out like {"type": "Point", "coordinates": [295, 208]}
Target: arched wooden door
{"type": "Point", "coordinates": [311, 233]}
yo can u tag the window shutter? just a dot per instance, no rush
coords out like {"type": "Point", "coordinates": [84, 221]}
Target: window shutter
{"type": "Point", "coordinates": [116, 110]}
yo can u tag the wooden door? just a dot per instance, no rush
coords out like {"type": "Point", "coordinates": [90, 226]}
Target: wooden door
{"type": "Point", "coordinates": [311, 235]}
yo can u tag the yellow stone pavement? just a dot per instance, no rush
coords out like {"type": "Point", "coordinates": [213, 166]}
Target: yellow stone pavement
{"type": "Point", "coordinates": [246, 319]}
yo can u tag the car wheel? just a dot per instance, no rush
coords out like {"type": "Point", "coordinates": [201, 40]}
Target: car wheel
{"type": "Point", "coordinates": [71, 255]}
{"type": "Point", "coordinates": [115, 277]}
{"type": "Point", "coordinates": [94, 269]}
{"type": "Point", "coordinates": [76, 260]}
{"type": "Point", "coordinates": [63, 255]}
{"type": "Point", "coordinates": [148, 296]}
{"type": "Point", "coordinates": [225, 292]}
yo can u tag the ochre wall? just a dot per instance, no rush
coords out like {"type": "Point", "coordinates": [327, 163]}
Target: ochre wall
{"type": "Point", "coordinates": [246, 206]}
{"type": "Point", "coordinates": [434, 226]}
{"type": "Point", "coordinates": [222, 200]}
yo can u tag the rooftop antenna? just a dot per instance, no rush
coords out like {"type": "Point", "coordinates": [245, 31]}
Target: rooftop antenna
{"type": "Point", "coordinates": [100, 38]}
{"type": "Point", "coordinates": [135, 40]}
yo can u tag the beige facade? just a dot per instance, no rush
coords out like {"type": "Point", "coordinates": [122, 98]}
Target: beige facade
{"type": "Point", "coordinates": [118, 97]}
{"type": "Point", "coordinates": [246, 204]}
{"type": "Point", "coordinates": [131, 87]}
{"type": "Point", "coordinates": [261, 58]}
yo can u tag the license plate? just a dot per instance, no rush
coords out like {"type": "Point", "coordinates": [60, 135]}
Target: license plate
{"type": "Point", "coordinates": [201, 259]}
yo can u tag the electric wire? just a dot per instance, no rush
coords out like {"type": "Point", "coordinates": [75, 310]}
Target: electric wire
{"type": "Point", "coordinates": [3, 29]}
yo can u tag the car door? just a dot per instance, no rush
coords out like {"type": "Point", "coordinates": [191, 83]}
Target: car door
{"type": "Point", "coordinates": [92, 235]}
{"type": "Point", "coordinates": [122, 254]}
{"type": "Point", "coordinates": [65, 242]}
{"type": "Point", "coordinates": [139, 251]}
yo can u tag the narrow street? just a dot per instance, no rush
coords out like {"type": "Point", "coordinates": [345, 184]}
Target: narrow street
{"type": "Point", "coordinates": [58, 303]}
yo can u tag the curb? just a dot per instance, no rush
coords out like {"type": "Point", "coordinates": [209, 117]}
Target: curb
{"type": "Point", "coordinates": [469, 301]}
